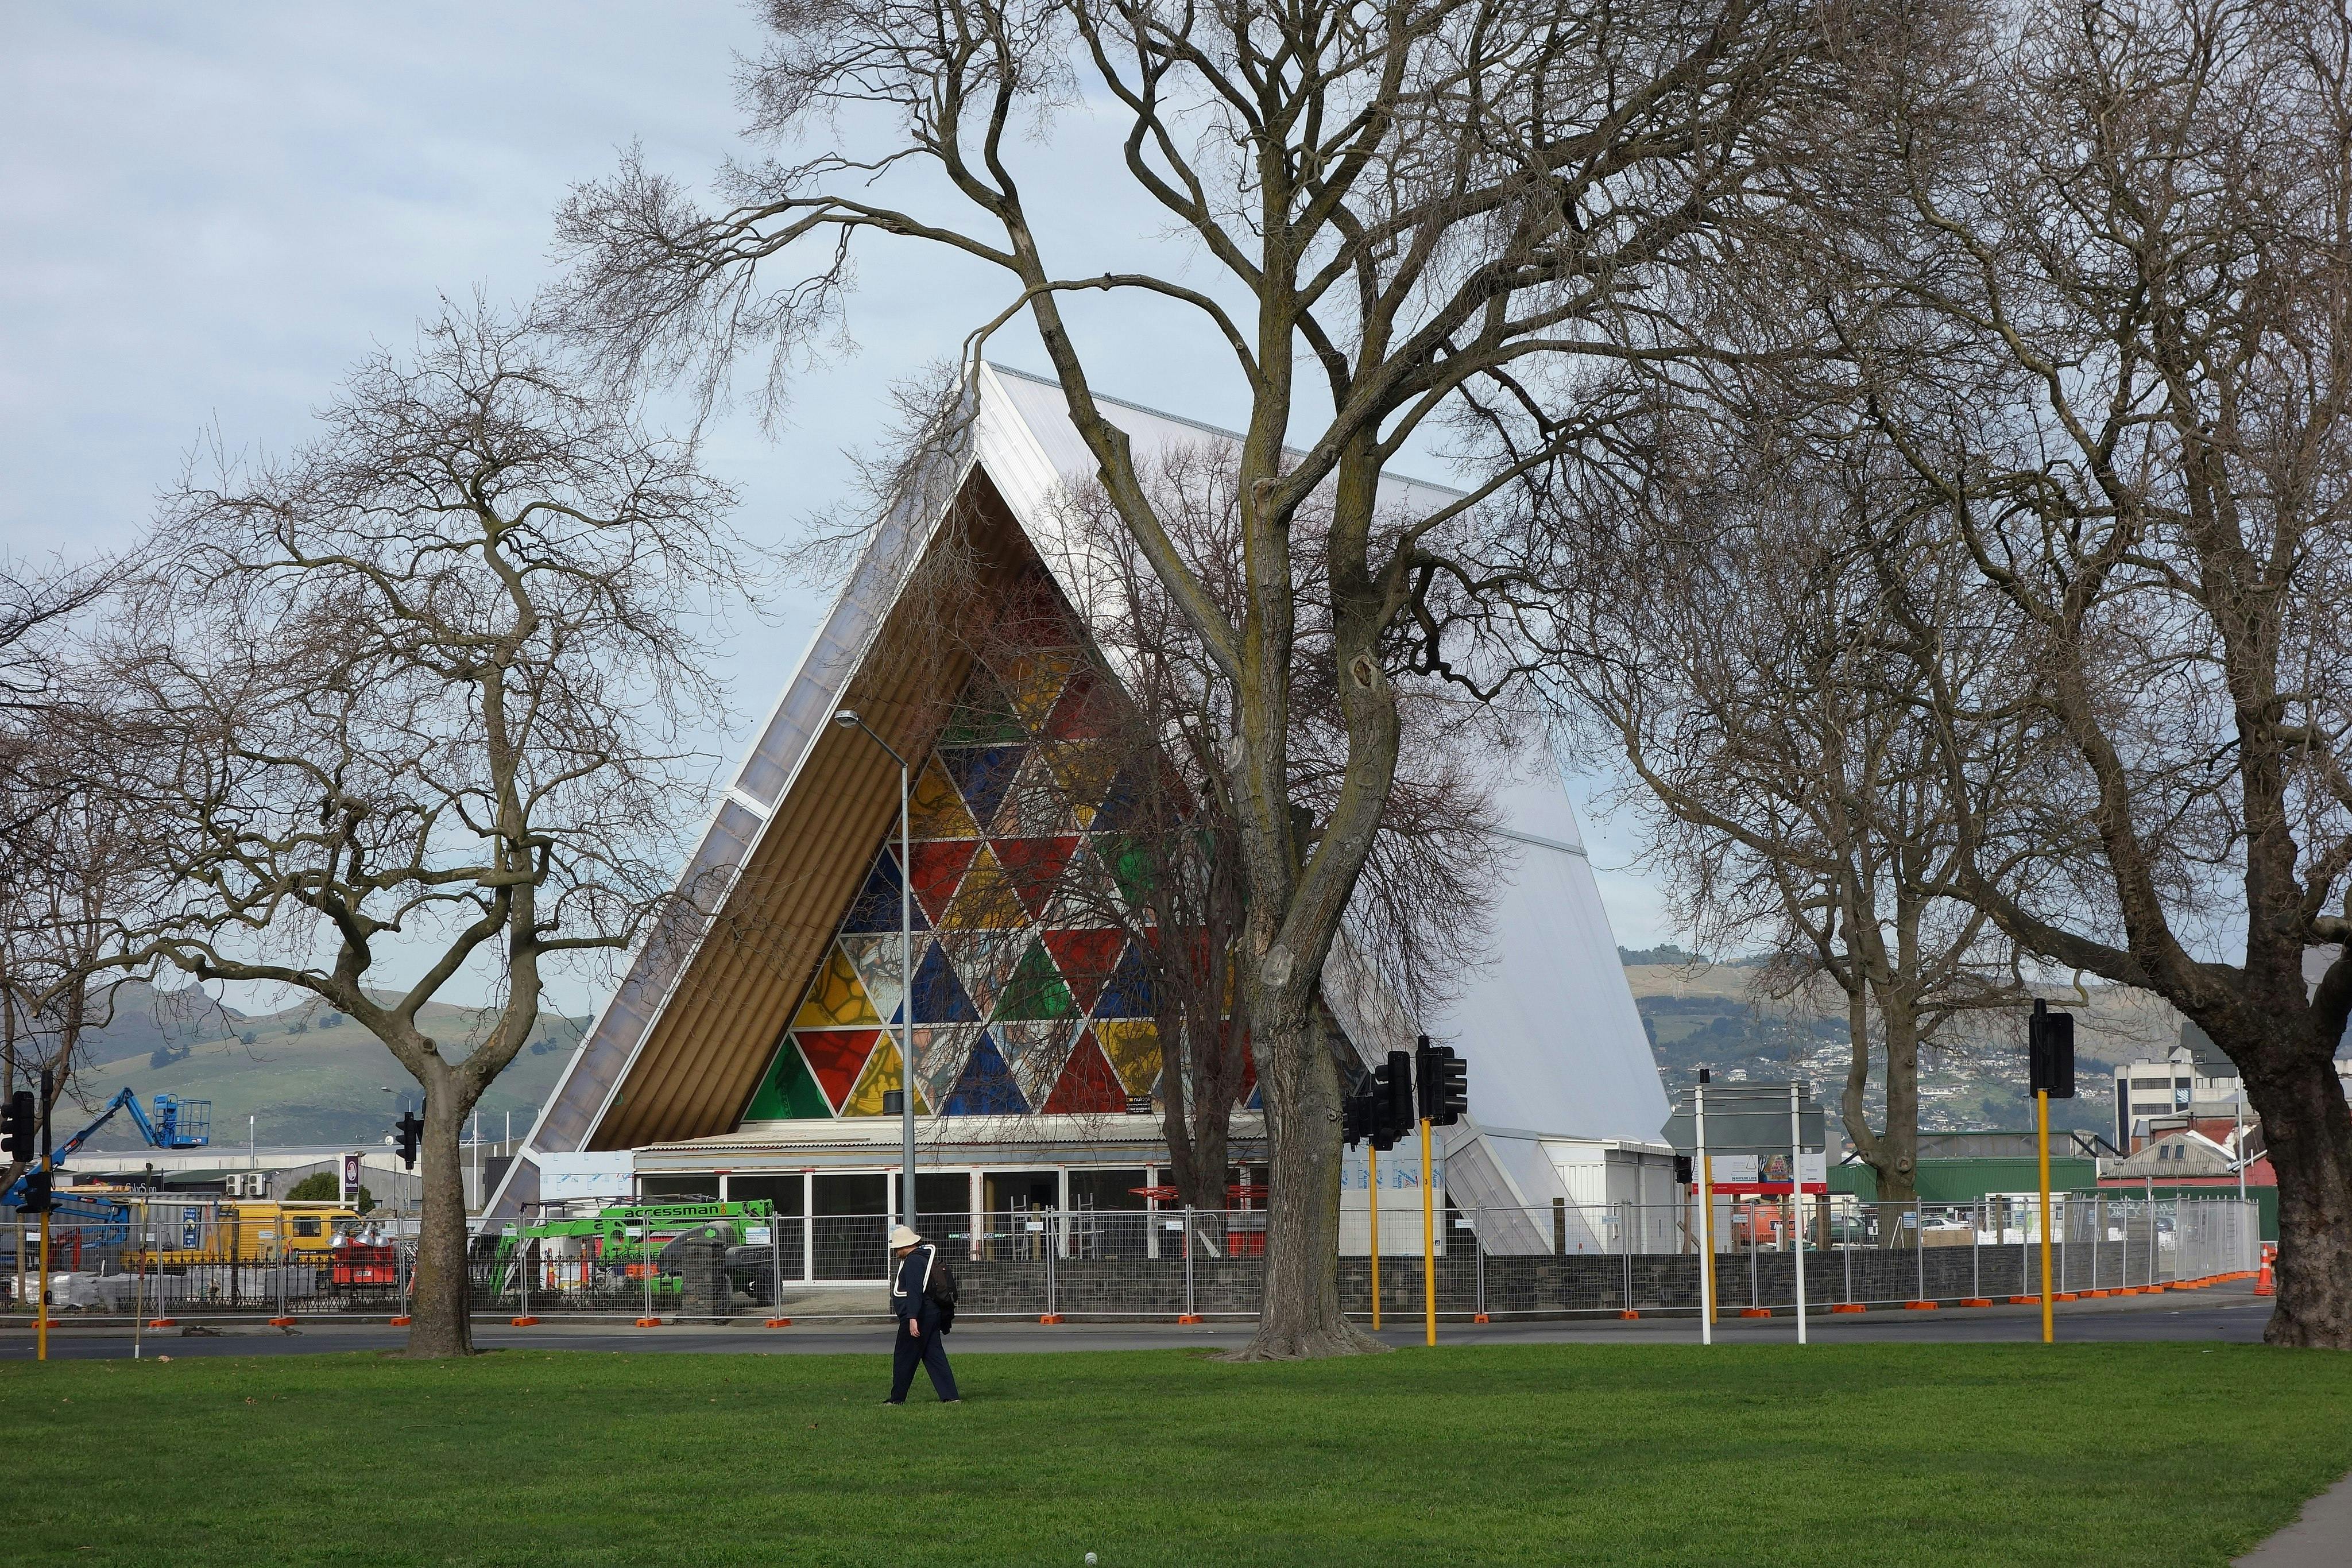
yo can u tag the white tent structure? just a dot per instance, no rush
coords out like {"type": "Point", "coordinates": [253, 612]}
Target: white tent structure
{"type": "Point", "coordinates": [1565, 1097]}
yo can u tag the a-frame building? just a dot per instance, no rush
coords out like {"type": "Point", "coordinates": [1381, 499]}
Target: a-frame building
{"type": "Point", "coordinates": [750, 1054]}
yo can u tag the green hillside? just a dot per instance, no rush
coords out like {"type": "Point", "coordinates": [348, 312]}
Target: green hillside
{"type": "Point", "coordinates": [313, 1077]}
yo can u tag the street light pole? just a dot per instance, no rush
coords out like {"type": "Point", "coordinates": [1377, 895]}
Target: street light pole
{"type": "Point", "coordinates": [849, 719]}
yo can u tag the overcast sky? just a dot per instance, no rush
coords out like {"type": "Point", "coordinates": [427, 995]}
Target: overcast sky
{"type": "Point", "coordinates": [212, 210]}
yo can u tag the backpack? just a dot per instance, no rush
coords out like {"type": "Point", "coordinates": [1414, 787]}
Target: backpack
{"type": "Point", "coordinates": [941, 1290]}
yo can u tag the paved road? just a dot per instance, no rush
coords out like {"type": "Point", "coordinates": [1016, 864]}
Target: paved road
{"type": "Point", "coordinates": [2226, 1315]}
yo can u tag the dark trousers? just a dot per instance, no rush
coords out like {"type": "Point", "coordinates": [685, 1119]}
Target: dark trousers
{"type": "Point", "coordinates": [928, 1349]}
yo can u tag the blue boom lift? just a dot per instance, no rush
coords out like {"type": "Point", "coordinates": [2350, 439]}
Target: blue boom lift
{"type": "Point", "coordinates": [177, 1123]}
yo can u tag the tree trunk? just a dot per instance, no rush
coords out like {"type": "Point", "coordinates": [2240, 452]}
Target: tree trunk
{"type": "Point", "coordinates": [2308, 1133]}
{"type": "Point", "coordinates": [1299, 1318]}
{"type": "Point", "coordinates": [1898, 1159]}
{"type": "Point", "coordinates": [440, 1297]}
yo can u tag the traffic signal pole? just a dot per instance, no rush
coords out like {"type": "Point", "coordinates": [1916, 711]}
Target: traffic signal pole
{"type": "Point", "coordinates": [2042, 1129]}
{"type": "Point", "coordinates": [41, 1286]}
{"type": "Point", "coordinates": [1373, 1152]}
{"type": "Point", "coordinates": [1428, 1241]}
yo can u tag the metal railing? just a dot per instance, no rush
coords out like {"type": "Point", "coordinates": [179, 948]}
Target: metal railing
{"type": "Point", "coordinates": [1557, 1260]}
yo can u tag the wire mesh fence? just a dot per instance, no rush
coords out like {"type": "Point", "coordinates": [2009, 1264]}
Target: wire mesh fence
{"type": "Point", "coordinates": [1550, 1260]}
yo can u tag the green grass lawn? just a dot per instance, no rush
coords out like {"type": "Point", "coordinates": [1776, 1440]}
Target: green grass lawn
{"type": "Point", "coordinates": [1846, 1455]}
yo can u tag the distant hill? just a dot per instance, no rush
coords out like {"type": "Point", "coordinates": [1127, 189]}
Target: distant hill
{"type": "Point", "coordinates": [147, 1020]}
{"type": "Point", "coordinates": [309, 1076]}
{"type": "Point", "coordinates": [1700, 1015]}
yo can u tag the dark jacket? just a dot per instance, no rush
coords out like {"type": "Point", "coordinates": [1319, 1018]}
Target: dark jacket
{"type": "Point", "coordinates": [910, 1289]}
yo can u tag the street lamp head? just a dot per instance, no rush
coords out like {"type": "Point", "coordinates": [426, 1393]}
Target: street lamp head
{"type": "Point", "coordinates": [846, 719]}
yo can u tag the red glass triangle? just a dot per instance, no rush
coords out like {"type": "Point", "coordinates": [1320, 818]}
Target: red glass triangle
{"type": "Point", "coordinates": [1087, 1085]}
{"type": "Point", "coordinates": [1034, 868]}
{"type": "Point", "coordinates": [938, 871]}
{"type": "Point", "coordinates": [835, 1055]}
{"type": "Point", "coordinates": [1086, 959]}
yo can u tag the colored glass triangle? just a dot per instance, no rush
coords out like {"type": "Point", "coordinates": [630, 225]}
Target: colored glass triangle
{"type": "Point", "coordinates": [937, 808]}
{"type": "Point", "coordinates": [982, 774]}
{"type": "Point", "coordinates": [940, 1055]}
{"type": "Point", "coordinates": [983, 900]}
{"type": "Point", "coordinates": [1036, 1052]}
{"type": "Point", "coordinates": [1035, 989]}
{"type": "Point", "coordinates": [986, 1087]}
{"type": "Point", "coordinates": [836, 1057]}
{"type": "Point", "coordinates": [1133, 1047]}
{"type": "Point", "coordinates": [1086, 959]}
{"type": "Point", "coordinates": [1088, 1085]}
{"type": "Point", "coordinates": [1034, 868]}
{"type": "Point", "coordinates": [1033, 681]}
{"type": "Point", "coordinates": [1127, 994]}
{"type": "Point", "coordinates": [982, 715]}
{"type": "Point", "coordinates": [1129, 861]}
{"type": "Point", "coordinates": [875, 908]}
{"type": "Point", "coordinates": [836, 1000]}
{"type": "Point", "coordinates": [983, 962]}
{"type": "Point", "coordinates": [938, 868]}
{"type": "Point", "coordinates": [881, 968]}
{"type": "Point", "coordinates": [1035, 806]}
{"type": "Point", "coordinates": [1120, 809]}
{"type": "Point", "coordinates": [789, 1092]}
{"type": "Point", "coordinates": [1084, 710]}
{"type": "Point", "coordinates": [939, 997]}
{"type": "Point", "coordinates": [882, 1074]}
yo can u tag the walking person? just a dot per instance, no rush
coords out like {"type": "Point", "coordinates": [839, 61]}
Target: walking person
{"type": "Point", "coordinates": [918, 1280]}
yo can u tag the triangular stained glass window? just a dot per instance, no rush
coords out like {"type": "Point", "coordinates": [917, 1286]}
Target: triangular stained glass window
{"type": "Point", "coordinates": [1033, 682]}
{"type": "Point", "coordinates": [1088, 1086]}
{"type": "Point", "coordinates": [982, 774]}
{"type": "Point", "coordinates": [1133, 1047]}
{"type": "Point", "coordinates": [1035, 989]}
{"type": "Point", "coordinates": [983, 902]}
{"type": "Point", "coordinates": [1121, 806]}
{"type": "Point", "coordinates": [1033, 869]}
{"type": "Point", "coordinates": [938, 809]}
{"type": "Point", "coordinates": [875, 908]}
{"type": "Point", "coordinates": [983, 715]}
{"type": "Point", "coordinates": [938, 870]}
{"type": "Point", "coordinates": [1036, 1052]}
{"type": "Point", "coordinates": [1035, 806]}
{"type": "Point", "coordinates": [836, 999]}
{"type": "Point", "coordinates": [983, 962]}
{"type": "Point", "coordinates": [939, 997]}
{"type": "Point", "coordinates": [836, 1057]}
{"type": "Point", "coordinates": [1128, 993]}
{"type": "Point", "coordinates": [1086, 959]}
{"type": "Point", "coordinates": [789, 1093]}
{"type": "Point", "coordinates": [940, 1055]}
{"type": "Point", "coordinates": [986, 1087]}
{"type": "Point", "coordinates": [881, 1076]}
{"type": "Point", "coordinates": [1084, 710]}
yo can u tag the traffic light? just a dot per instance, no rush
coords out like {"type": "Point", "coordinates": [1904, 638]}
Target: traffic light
{"type": "Point", "coordinates": [1683, 1174]}
{"type": "Point", "coordinates": [37, 1192]}
{"type": "Point", "coordinates": [406, 1133]}
{"type": "Point", "coordinates": [1357, 1113]}
{"type": "Point", "coordinates": [1392, 1099]}
{"type": "Point", "coordinates": [2050, 1053]}
{"type": "Point", "coordinates": [19, 1129]}
{"type": "Point", "coordinates": [1445, 1083]}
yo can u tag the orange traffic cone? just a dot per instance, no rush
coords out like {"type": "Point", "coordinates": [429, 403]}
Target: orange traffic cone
{"type": "Point", "coordinates": [2264, 1284]}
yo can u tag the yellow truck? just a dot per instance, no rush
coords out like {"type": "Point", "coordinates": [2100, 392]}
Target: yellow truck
{"type": "Point", "coordinates": [248, 1230]}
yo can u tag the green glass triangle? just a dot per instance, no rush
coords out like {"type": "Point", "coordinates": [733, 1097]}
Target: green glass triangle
{"type": "Point", "coordinates": [1035, 989]}
{"type": "Point", "coordinates": [1129, 863]}
{"type": "Point", "coordinates": [788, 1094]}
{"type": "Point", "coordinates": [983, 715]}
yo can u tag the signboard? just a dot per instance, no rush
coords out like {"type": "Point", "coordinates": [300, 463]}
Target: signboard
{"type": "Point", "coordinates": [1749, 1118]}
{"type": "Point", "coordinates": [1765, 1175]}
{"type": "Point", "coordinates": [190, 1222]}
{"type": "Point", "coordinates": [351, 1178]}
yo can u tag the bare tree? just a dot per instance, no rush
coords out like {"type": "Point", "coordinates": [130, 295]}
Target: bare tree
{"type": "Point", "coordinates": [1417, 207]}
{"type": "Point", "coordinates": [1736, 646]}
{"type": "Point", "coordinates": [411, 700]}
{"type": "Point", "coordinates": [2101, 299]}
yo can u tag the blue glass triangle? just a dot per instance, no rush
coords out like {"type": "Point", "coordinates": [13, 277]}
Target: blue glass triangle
{"type": "Point", "coordinates": [982, 774]}
{"type": "Point", "coordinates": [1117, 813]}
{"type": "Point", "coordinates": [875, 908]}
{"type": "Point", "coordinates": [1128, 993]}
{"type": "Point", "coordinates": [986, 1088]}
{"type": "Point", "coordinates": [939, 997]}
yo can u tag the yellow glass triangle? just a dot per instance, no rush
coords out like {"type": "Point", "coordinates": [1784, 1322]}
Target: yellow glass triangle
{"type": "Point", "coordinates": [882, 1074]}
{"type": "Point", "coordinates": [1133, 1047]}
{"type": "Point", "coordinates": [836, 1000]}
{"type": "Point", "coordinates": [986, 900]}
{"type": "Point", "coordinates": [938, 809]}
{"type": "Point", "coordinates": [1034, 682]}
{"type": "Point", "coordinates": [1083, 770]}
